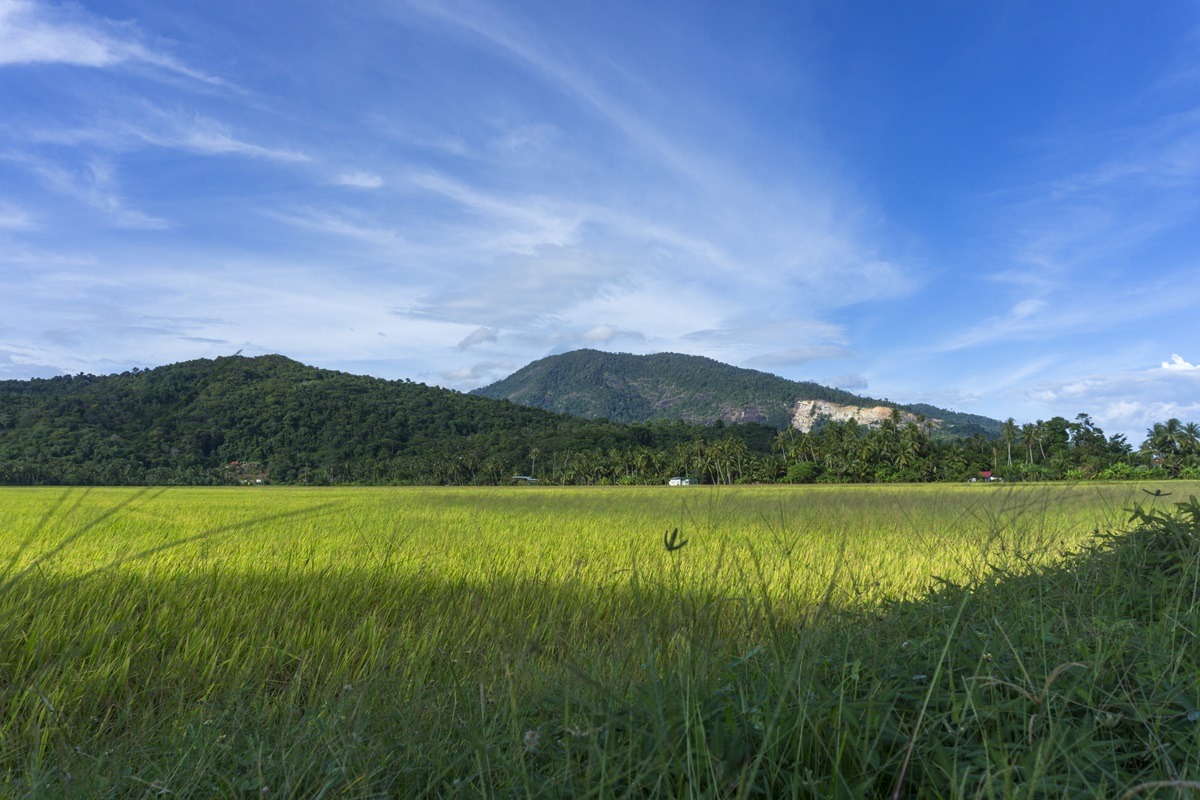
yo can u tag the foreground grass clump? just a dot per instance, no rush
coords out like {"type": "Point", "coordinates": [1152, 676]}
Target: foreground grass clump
{"type": "Point", "coordinates": [545, 643]}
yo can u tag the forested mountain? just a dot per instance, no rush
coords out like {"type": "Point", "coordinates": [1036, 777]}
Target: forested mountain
{"type": "Point", "coordinates": [244, 419]}
{"type": "Point", "coordinates": [631, 388]}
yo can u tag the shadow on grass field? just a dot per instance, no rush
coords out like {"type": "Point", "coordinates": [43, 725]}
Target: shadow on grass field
{"type": "Point", "coordinates": [1077, 680]}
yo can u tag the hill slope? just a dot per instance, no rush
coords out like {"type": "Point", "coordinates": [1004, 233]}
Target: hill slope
{"type": "Point", "coordinates": [269, 417]}
{"type": "Point", "coordinates": [631, 388]}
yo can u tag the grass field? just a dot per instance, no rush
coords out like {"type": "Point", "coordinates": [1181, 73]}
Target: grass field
{"type": "Point", "coordinates": [546, 642]}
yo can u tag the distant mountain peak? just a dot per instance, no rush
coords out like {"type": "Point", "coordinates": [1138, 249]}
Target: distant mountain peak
{"type": "Point", "coordinates": [624, 387]}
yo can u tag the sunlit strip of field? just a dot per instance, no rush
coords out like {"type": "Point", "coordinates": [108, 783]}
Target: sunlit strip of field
{"type": "Point", "coordinates": [797, 537]}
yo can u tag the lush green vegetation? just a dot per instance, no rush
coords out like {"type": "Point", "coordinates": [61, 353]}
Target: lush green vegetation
{"type": "Point", "coordinates": [1054, 449]}
{"type": "Point", "coordinates": [543, 642]}
{"type": "Point", "coordinates": [237, 420]}
{"type": "Point", "coordinates": [667, 386]}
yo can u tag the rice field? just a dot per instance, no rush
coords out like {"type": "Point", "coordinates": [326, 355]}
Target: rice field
{"type": "Point", "coordinates": [485, 642]}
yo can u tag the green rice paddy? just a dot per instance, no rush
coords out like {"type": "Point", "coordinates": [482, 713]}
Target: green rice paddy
{"type": "Point", "coordinates": [526, 641]}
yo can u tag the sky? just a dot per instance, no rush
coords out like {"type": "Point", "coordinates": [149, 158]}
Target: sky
{"type": "Point", "coordinates": [988, 206]}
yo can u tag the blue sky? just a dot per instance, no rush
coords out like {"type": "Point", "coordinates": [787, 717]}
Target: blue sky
{"type": "Point", "coordinates": [989, 206]}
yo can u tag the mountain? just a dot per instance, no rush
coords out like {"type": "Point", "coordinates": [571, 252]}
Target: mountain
{"type": "Point", "coordinates": [631, 388]}
{"type": "Point", "coordinates": [240, 419]}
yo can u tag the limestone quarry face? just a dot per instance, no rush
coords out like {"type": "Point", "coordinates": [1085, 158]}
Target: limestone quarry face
{"type": "Point", "coordinates": [807, 412]}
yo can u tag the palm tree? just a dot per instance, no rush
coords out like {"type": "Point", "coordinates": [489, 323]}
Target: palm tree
{"type": "Point", "coordinates": [641, 463]}
{"type": "Point", "coordinates": [1172, 435]}
{"type": "Point", "coordinates": [1152, 444]}
{"type": "Point", "coordinates": [1029, 437]}
{"type": "Point", "coordinates": [1164, 442]}
{"type": "Point", "coordinates": [1190, 438]}
{"type": "Point", "coordinates": [739, 455]}
{"type": "Point", "coordinates": [1008, 434]}
{"type": "Point", "coordinates": [910, 446]}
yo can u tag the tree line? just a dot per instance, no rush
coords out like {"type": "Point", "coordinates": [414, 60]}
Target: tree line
{"type": "Point", "coordinates": [847, 452]}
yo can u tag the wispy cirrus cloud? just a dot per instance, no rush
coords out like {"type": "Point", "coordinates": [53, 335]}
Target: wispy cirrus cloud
{"type": "Point", "coordinates": [14, 218]}
{"type": "Point", "coordinates": [41, 33]}
{"type": "Point", "coordinates": [1093, 243]}
{"type": "Point", "coordinates": [486, 23]}
{"type": "Point", "coordinates": [524, 292]}
{"type": "Point", "coordinates": [360, 179]}
{"type": "Point", "coordinates": [210, 137]}
{"type": "Point", "coordinates": [1094, 200]}
{"type": "Point", "coordinates": [797, 356]}
{"type": "Point", "coordinates": [748, 227]}
{"type": "Point", "coordinates": [94, 184]}
{"type": "Point", "coordinates": [1076, 308]}
{"type": "Point", "coordinates": [343, 223]}
{"type": "Point", "coordinates": [141, 124]}
{"type": "Point", "coordinates": [478, 336]}
{"type": "Point", "coordinates": [504, 223]}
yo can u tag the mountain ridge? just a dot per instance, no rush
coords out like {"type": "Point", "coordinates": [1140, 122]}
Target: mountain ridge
{"type": "Point", "coordinates": [629, 388]}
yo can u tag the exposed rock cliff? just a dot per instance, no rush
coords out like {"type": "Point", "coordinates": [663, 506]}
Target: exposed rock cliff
{"type": "Point", "coordinates": [808, 412]}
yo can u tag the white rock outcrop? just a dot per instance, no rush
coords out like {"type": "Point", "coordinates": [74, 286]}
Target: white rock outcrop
{"type": "Point", "coordinates": [806, 413]}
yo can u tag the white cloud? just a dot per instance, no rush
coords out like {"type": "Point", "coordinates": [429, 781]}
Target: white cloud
{"type": "Point", "coordinates": [479, 374]}
{"type": "Point", "coordinates": [600, 333]}
{"type": "Point", "coordinates": [1135, 418]}
{"type": "Point", "coordinates": [1079, 307]}
{"type": "Point", "coordinates": [506, 224]}
{"type": "Point", "coordinates": [486, 23]}
{"type": "Point", "coordinates": [210, 137]}
{"type": "Point", "coordinates": [28, 37]}
{"type": "Point", "coordinates": [121, 125]}
{"type": "Point", "coordinates": [338, 224]}
{"type": "Point", "coordinates": [523, 292]}
{"type": "Point", "coordinates": [796, 237]}
{"type": "Point", "coordinates": [1027, 308]}
{"type": "Point", "coordinates": [360, 179]}
{"type": "Point", "coordinates": [527, 140]}
{"type": "Point", "coordinates": [95, 185]}
{"type": "Point", "coordinates": [479, 336]}
{"type": "Point", "coordinates": [1082, 215]}
{"type": "Point", "coordinates": [797, 356]}
{"type": "Point", "coordinates": [850, 382]}
{"type": "Point", "coordinates": [1127, 401]}
{"type": "Point", "coordinates": [37, 33]}
{"type": "Point", "coordinates": [1177, 363]}
{"type": "Point", "coordinates": [13, 218]}
{"type": "Point", "coordinates": [158, 310]}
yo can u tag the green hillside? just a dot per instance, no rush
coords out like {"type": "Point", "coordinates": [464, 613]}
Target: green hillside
{"type": "Point", "coordinates": [237, 418]}
{"type": "Point", "coordinates": [631, 388]}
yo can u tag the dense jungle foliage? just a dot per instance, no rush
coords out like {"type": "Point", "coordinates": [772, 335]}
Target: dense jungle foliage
{"type": "Point", "coordinates": [270, 419]}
